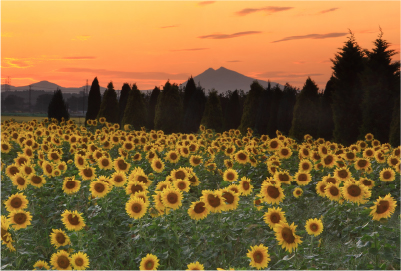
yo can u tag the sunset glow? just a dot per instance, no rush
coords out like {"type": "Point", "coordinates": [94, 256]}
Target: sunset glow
{"type": "Point", "coordinates": [150, 42]}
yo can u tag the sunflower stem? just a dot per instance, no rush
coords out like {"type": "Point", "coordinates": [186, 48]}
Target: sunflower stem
{"type": "Point", "coordinates": [311, 244]}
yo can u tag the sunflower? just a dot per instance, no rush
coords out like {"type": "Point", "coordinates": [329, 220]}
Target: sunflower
{"type": "Point", "coordinates": [195, 266]}
{"type": "Point", "coordinates": [26, 169]}
{"type": "Point", "coordinates": [16, 202]}
{"type": "Point", "coordinates": [234, 188]}
{"type": "Point", "coordinates": [272, 193]}
{"type": "Point", "coordinates": [283, 177]}
{"type": "Point", "coordinates": [320, 186]}
{"type": "Point", "coordinates": [329, 161]}
{"type": "Point", "coordinates": [135, 186]}
{"type": "Point", "coordinates": [104, 163]}
{"type": "Point", "coordinates": [171, 198]}
{"type": "Point", "coordinates": [149, 262]}
{"type": "Point", "coordinates": [172, 156]}
{"type": "Point", "coordinates": [118, 178]}
{"type": "Point", "coordinates": [213, 200]}
{"type": "Point", "coordinates": [369, 153]}
{"type": "Point", "coordinates": [302, 178]}
{"type": "Point", "coordinates": [297, 192]}
{"type": "Point", "coordinates": [71, 186]}
{"type": "Point", "coordinates": [194, 179]}
{"type": "Point", "coordinates": [304, 152]}
{"type": "Point", "coordinates": [330, 179]}
{"type": "Point", "coordinates": [179, 174]}
{"type": "Point", "coordinates": [257, 202]}
{"type": "Point", "coordinates": [259, 256]}
{"type": "Point", "coordinates": [355, 192]}
{"type": "Point", "coordinates": [274, 216]}
{"type": "Point", "coordinates": [230, 175]}
{"type": "Point", "coordinates": [157, 165]}
{"type": "Point", "coordinates": [284, 152]}
{"type": "Point", "coordinates": [5, 234]}
{"type": "Point", "coordinates": [48, 169]}
{"type": "Point", "coordinates": [99, 188]}
{"type": "Point", "coordinates": [80, 161]}
{"type": "Point", "coordinates": [342, 174]}
{"type": "Point", "coordinates": [241, 157]}
{"type": "Point", "coordinates": [80, 261]}
{"type": "Point", "coordinates": [362, 164]}
{"type": "Point", "coordinates": [286, 236]}
{"type": "Point", "coordinates": [350, 155]}
{"type": "Point", "coordinates": [41, 265]}
{"type": "Point", "coordinates": [19, 219]}
{"type": "Point", "coordinates": [244, 186]}
{"type": "Point", "coordinates": [195, 160]}
{"type": "Point", "coordinates": [231, 199]}
{"type": "Point", "coordinates": [59, 238]}
{"type": "Point", "coordinates": [137, 157]}
{"type": "Point", "coordinates": [367, 182]}
{"type": "Point", "coordinates": [305, 165]}
{"type": "Point", "coordinates": [274, 144]}
{"type": "Point", "coordinates": [314, 226]}
{"type": "Point", "coordinates": [36, 180]}
{"type": "Point", "coordinates": [61, 260]}
{"type": "Point", "coordinates": [72, 220]}
{"type": "Point", "coordinates": [332, 191]}
{"type": "Point", "coordinates": [380, 158]}
{"type": "Point", "coordinates": [182, 185]}
{"type": "Point", "coordinates": [383, 207]}
{"type": "Point", "coordinates": [11, 170]}
{"type": "Point", "coordinates": [20, 180]}
{"type": "Point", "coordinates": [163, 185]}
{"type": "Point", "coordinates": [136, 207]}
{"type": "Point", "coordinates": [121, 165]}
{"type": "Point", "coordinates": [141, 177]}
{"type": "Point", "coordinates": [5, 147]}
{"type": "Point", "coordinates": [387, 175]}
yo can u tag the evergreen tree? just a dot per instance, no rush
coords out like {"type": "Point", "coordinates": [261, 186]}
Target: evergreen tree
{"type": "Point", "coordinates": [306, 110]}
{"type": "Point", "coordinates": [58, 109]}
{"type": "Point", "coordinates": [135, 112]}
{"type": "Point", "coordinates": [152, 108]}
{"type": "Point", "coordinates": [274, 106]}
{"type": "Point", "coordinates": [249, 116]}
{"type": "Point", "coordinates": [326, 123]}
{"type": "Point", "coordinates": [109, 106]}
{"type": "Point", "coordinates": [94, 101]}
{"type": "Point", "coordinates": [347, 94]}
{"type": "Point", "coordinates": [169, 109]}
{"type": "Point", "coordinates": [263, 114]}
{"type": "Point", "coordinates": [125, 90]}
{"type": "Point", "coordinates": [232, 112]}
{"type": "Point", "coordinates": [395, 124]}
{"type": "Point", "coordinates": [189, 90]}
{"type": "Point", "coordinates": [381, 83]}
{"type": "Point", "coordinates": [194, 113]}
{"type": "Point", "coordinates": [285, 110]}
{"type": "Point", "coordinates": [213, 115]}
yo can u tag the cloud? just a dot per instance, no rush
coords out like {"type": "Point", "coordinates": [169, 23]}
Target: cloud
{"type": "Point", "coordinates": [229, 36]}
{"type": "Point", "coordinates": [131, 75]}
{"type": "Point", "coordinates": [269, 10]}
{"type": "Point", "coordinates": [367, 31]}
{"type": "Point", "coordinates": [191, 49]}
{"type": "Point", "coordinates": [233, 61]}
{"type": "Point", "coordinates": [280, 74]}
{"type": "Point", "coordinates": [9, 62]}
{"type": "Point", "coordinates": [79, 57]}
{"type": "Point", "coordinates": [82, 38]}
{"type": "Point", "coordinates": [299, 62]}
{"type": "Point", "coordinates": [204, 3]}
{"type": "Point", "coordinates": [312, 36]}
{"type": "Point", "coordinates": [325, 61]}
{"type": "Point", "coordinates": [169, 26]}
{"type": "Point", "coordinates": [6, 35]}
{"type": "Point", "coordinates": [328, 10]}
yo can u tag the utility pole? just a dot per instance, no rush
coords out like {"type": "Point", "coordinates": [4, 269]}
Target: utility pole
{"type": "Point", "coordinates": [7, 85]}
{"type": "Point", "coordinates": [30, 92]}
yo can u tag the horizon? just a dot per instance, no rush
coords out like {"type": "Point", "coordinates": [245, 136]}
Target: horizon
{"type": "Point", "coordinates": [150, 44]}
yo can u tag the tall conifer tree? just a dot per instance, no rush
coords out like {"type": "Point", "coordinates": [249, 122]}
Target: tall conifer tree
{"type": "Point", "coordinates": [232, 114]}
{"type": "Point", "coordinates": [395, 124]}
{"type": "Point", "coordinates": [213, 115]}
{"type": "Point", "coordinates": [274, 104]}
{"type": "Point", "coordinates": [122, 103]}
{"type": "Point", "coordinates": [58, 109]}
{"type": "Point", "coordinates": [249, 116]}
{"type": "Point", "coordinates": [263, 114]}
{"type": "Point", "coordinates": [194, 113]}
{"type": "Point", "coordinates": [109, 106]}
{"type": "Point", "coordinates": [152, 108]}
{"type": "Point", "coordinates": [135, 112]}
{"type": "Point", "coordinates": [326, 122]}
{"type": "Point", "coordinates": [94, 101]}
{"type": "Point", "coordinates": [285, 111]}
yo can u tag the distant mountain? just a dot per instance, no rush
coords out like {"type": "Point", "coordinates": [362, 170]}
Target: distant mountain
{"type": "Point", "coordinates": [48, 86]}
{"type": "Point", "coordinates": [224, 79]}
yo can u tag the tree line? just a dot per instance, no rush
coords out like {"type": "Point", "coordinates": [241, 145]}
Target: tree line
{"type": "Point", "coordinates": [362, 96]}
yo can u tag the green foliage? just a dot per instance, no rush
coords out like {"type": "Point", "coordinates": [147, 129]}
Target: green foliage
{"type": "Point", "coordinates": [232, 112]}
{"type": "Point", "coordinates": [189, 91]}
{"type": "Point", "coordinates": [135, 112]}
{"type": "Point", "coordinates": [57, 107]}
{"type": "Point", "coordinates": [395, 124]}
{"type": "Point", "coordinates": [348, 93]}
{"type": "Point", "coordinates": [152, 108]}
{"type": "Point", "coordinates": [306, 111]}
{"type": "Point", "coordinates": [286, 109]}
{"type": "Point", "coordinates": [169, 109]}
{"type": "Point", "coordinates": [264, 107]}
{"type": "Point", "coordinates": [213, 115]}
{"type": "Point", "coordinates": [194, 112]}
{"type": "Point", "coordinates": [274, 107]}
{"type": "Point", "coordinates": [122, 103]}
{"type": "Point", "coordinates": [94, 101]}
{"type": "Point", "coordinates": [326, 123]}
{"type": "Point", "coordinates": [109, 106]}
{"type": "Point", "coordinates": [249, 116]}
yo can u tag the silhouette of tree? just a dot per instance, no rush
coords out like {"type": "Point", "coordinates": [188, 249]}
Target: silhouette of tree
{"type": "Point", "coordinates": [109, 106]}
{"type": "Point", "coordinates": [189, 90]}
{"type": "Point", "coordinates": [135, 111]}
{"type": "Point", "coordinates": [213, 115]}
{"type": "Point", "coordinates": [169, 109]}
{"type": "Point", "coordinates": [395, 124]}
{"type": "Point", "coordinates": [13, 103]}
{"type": "Point", "coordinates": [194, 113]}
{"type": "Point", "coordinates": [249, 116]}
{"type": "Point", "coordinates": [94, 101]}
{"type": "Point", "coordinates": [326, 123]}
{"type": "Point", "coordinates": [122, 103]}
{"type": "Point", "coordinates": [57, 107]}
{"type": "Point", "coordinates": [232, 112]}
{"type": "Point", "coordinates": [381, 84]}
{"type": "Point", "coordinates": [305, 120]}
{"type": "Point", "coordinates": [274, 106]}
{"type": "Point", "coordinates": [152, 108]}
{"type": "Point", "coordinates": [42, 102]}
{"type": "Point", "coordinates": [263, 114]}
{"type": "Point", "coordinates": [347, 94]}
{"type": "Point", "coordinates": [285, 110]}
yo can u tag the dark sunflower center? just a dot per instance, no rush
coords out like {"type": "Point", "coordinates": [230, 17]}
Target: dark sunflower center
{"type": "Point", "coordinates": [302, 177]}
{"type": "Point", "coordinates": [305, 152]}
{"type": "Point", "coordinates": [242, 157]}
{"type": "Point", "coordinates": [229, 164]}
{"type": "Point", "coordinates": [230, 176]}
{"type": "Point", "coordinates": [173, 156]}
{"type": "Point", "coordinates": [229, 197]}
{"type": "Point", "coordinates": [180, 175]}
{"type": "Point", "coordinates": [382, 207]}
{"type": "Point", "coordinates": [196, 160]}
{"type": "Point", "coordinates": [314, 227]}
{"type": "Point", "coordinates": [245, 185]}
{"type": "Point", "coordinates": [136, 207]}
{"type": "Point", "coordinates": [354, 190]}
{"type": "Point", "coordinates": [70, 184]}
{"type": "Point", "coordinates": [14, 170]}
{"type": "Point", "coordinates": [275, 218]}
{"type": "Point", "coordinates": [362, 163]}
{"type": "Point", "coordinates": [287, 235]}
{"type": "Point", "coordinates": [36, 179]}
{"type": "Point", "coordinates": [54, 156]}
{"type": "Point", "coordinates": [136, 188]}
{"type": "Point", "coordinates": [136, 156]}
{"type": "Point", "coordinates": [16, 203]}
{"type": "Point", "coordinates": [158, 165]}
{"type": "Point", "coordinates": [393, 161]}
{"type": "Point", "coordinates": [149, 265]}
{"type": "Point", "coordinates": [214, 201]}
{"type": "Point", "coordinates": [182, 185]}
{"type": "Point", "coordinates": [273, 192]}
{"type": "Point", "coordinates": [118, 179]}
{"type": "Point", "coordinates": [283, 177]}
{"type": "Point", "coordinates": [20, 218]}
{"type": "Point", "coordinates": [20, 181]}
{"type": "Point", "coordinates": [3, 235]}
{"type": "Point", "coordinates": [99, 187]}
{"type": "Point", "coordinates": [369, 153]}
{"type": "Point", "coordinates": [172, 198]}
{"type": "Point", "coordinates": [387, 175]}
{"type": "Point", "coordinates": [273, 144]}
{"type": "Point", "coordinates": [63, 261]}
{"type": "Point", "coordinates": [79, 262]}
{"type": "Point", "coordinates": [88, 172]}
{"type": "Point", "coordinates": [258, 202]}
{"type": "Point", "coordinates": [334, 191]}
{"type": "Point", "coordinates": [299, 192]}
{"type": "Point", "coordinates": [322, 188]}
{"type": "Point", "coordinates": [350, 155]}
{"type": "Point", "coordinates": [199, 207]}
{"type": "Point", "coordinates": [28, 170]}
{"type": "Point", "coordinates": [343, 174]}
{"type": "Point", "coordinates": [316, 156]}
{"type": "Point", "coordinates": [328, 159]}
{"type": "Point", "coordinates": [22, 160]}
{"type": "Point", "coordinates": [74, 220]}
{"type": "Point", "coordinates": [258, 257]}
{"type": "Point", "coordinates": [105, 162]}
{"type": "Point", "coordinates": [331, 180]}
{"type": "Point", "coordinates": [367, 182]}
{"type": "Point", "coordinates": [236, 189]}
{"type": "Point", "coordinates": [4, 146]}
{"type": "Point", "coordinates": [142, 179]}
{"type": "Point", "coordinates": [397, 152]}
{"type": "Point", "coordinates": [122, 165]}
{"type": "Point", "coordinates": [60, 238]}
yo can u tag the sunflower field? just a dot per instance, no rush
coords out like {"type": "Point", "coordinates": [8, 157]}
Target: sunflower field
{"type": "Point", "coordinates": [102, 197]}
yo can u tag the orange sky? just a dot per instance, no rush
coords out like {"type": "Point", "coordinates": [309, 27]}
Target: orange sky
{"type": "Point", "coordinates": [150, 42]}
